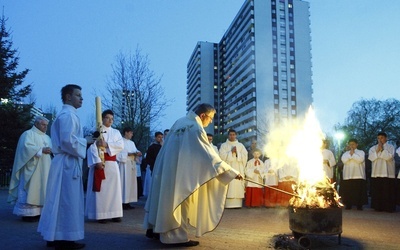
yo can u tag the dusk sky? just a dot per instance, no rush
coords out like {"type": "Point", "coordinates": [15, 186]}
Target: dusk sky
{"type": "Point", "coordinates": [355, 47]}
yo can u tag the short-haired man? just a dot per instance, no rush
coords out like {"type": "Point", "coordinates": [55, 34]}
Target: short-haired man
{"type": "Point", "coordinates": [105, 203]}
{"type": "Point", "coordinates": [382, 175]}
{"type": "Point", "coordinates": [151, 156]}
{"type": "Point", "coordinates": [154, 148]}
{"type": "Point", "coordinates": [30, 171]}
{"type": "Point", "coordinates": [328, 161]}
{"type": "Point", "coordinates": [62, 219]}
{"type": "Point", "coordinates": [235, 154]}
{"type": "Point", "coordinates": [127, 168]}
{"type": "Point", "coordinates": [189, 182]}
{"type": "Point", "coordinates": [210, 139]}
{"type": "Point", "coordinates": [353, 187]}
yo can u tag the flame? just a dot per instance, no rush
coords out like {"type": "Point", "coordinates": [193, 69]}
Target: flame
{"type": "Point", "coordinates": [298, 145]}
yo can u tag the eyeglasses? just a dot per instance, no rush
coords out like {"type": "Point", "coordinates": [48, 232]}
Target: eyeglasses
{"type": "Point", "coordinates": [211, 118]}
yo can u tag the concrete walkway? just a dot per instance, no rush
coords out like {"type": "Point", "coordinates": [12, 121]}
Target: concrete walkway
{"type": "Point", "coordinates": [256, 228]}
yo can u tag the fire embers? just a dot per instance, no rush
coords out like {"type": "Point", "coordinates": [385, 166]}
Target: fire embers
{"type": "Point", "coordinates": [319, 195]}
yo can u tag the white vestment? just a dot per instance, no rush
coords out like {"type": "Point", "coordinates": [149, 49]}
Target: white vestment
{"type": "Point", "coordinates": [215, 148]}
{"type": "Point", "coordinates": [354, 165]}
{"type": "Point", "coordinates": [62, 215]}
{"type": "Point", "coordinates": [382, 162]}
{"type": "Point", "coordinates": [257, 177]}
{"type": "Point", "coordinates": [127, 169]}
{"type": "Point", "coordinates": [189, 183]}
{"type": "Point", "coordinates": [29, 173]}
{"type": "Point", "coordinates": [328, 168]}
{"type": "Point", "coordinates": [238, 161]}
{"type": "Point", "coordinates": [270, 175]}
{"type": "Point", "coordinates": [107, 203]}
{"type": "Point", "coordinates": [147, 181]}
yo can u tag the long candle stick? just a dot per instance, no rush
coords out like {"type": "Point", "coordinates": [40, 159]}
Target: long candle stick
{"type": "Point", "coordinates": [99, 124]}
{"type": "Point", "coordinates": [98, 113]}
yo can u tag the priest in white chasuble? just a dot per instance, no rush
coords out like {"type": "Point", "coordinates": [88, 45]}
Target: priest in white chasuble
{"type": "Point", "coordinates": [189, 184]}
{"type": "Point", "coordinates": [30, 171]}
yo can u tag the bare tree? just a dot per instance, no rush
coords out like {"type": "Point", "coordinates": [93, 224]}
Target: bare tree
{"type": "Point", "coordinates": [138, 99]}
{"type": "Point", "coordinates": [368, 117]}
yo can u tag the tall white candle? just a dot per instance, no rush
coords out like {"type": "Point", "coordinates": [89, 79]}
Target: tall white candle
{"type": "Point", "coordinates": [98, 112]}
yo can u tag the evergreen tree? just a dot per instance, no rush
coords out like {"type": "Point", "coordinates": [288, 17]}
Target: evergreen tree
{"type": "Point", "coordinates": [15, 116]}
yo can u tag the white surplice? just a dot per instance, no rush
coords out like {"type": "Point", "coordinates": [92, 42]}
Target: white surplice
{"type": "Point", "coordinates": [127, 168]}
{"type": "Point", "coordinates": [29, 173]}
{"type": "Point", "coordinates": [238, 161]}
{"type": "Point", "coordinates": [107, 203]}
{"type": "Point", "coordinates": [62, 216]}
{"type": "Point", "coordinates": [354, 165]}
{"type": "Point", "coordinates": [249, 171]}
{"type": "Point", "coordinates": [328, 155]}
{"type": "Point", "coordinates": [189, 181]}
{"type": "Point", "coordinates": [382, 162]}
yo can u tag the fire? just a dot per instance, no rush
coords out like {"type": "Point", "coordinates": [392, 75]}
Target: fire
{"type": "Point", "coordinates": [298, 145]}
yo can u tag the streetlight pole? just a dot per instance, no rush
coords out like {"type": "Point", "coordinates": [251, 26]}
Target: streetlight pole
{"type": "Point", "coordinates": [339, 137]}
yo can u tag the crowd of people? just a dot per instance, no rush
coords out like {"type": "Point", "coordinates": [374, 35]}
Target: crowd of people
{"type": "Point", "coordinates": [188, 180]}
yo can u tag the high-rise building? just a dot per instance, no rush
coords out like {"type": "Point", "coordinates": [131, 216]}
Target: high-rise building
{"type": "Point", "coordinates": [260, 71]}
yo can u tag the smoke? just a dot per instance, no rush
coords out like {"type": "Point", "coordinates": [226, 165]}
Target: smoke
{"type": "Point", "coordinates": [294, 147]}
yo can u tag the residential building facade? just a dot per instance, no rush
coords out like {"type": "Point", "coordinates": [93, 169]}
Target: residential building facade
{"type": "Point", "coordinates": [260, 71]}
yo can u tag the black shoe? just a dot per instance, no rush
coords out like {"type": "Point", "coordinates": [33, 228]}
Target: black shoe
{"type": "Point", "coordinates": [67, 245]}
{"type": "Point", "coordinates": [102, 221]}
{"type": "Point", "coordinates": [126, 206]}
{"type": "Point", "coordinates": [150, 234]}
{"type": "Point", "coordinates": [190, 243]}
{"type": "Point", "coordinates": [116, 220]}
{"type": "Point", "coordinates": [31, 218]}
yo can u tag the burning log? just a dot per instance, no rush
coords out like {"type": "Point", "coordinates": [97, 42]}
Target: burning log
{"type": "Point", "coordinates": [319, 195]}
{"type": "Point", "coordinates": [315, 209]}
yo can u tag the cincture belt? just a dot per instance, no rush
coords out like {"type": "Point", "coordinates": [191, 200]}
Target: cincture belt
{"type": "Point", "coordinates": [107, 157]}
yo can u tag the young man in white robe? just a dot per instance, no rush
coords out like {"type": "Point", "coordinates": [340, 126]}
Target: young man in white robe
{"type": "Point", "coordinates": [62, 220]}
{"type": "Point", "coordinates": [30, 171]}
{"type": "Point", "coordinates": [190, 182]}
{"type": "Point", "coordinates": [127, 169]}
{"type": "Point", "coordinates": [382, 175]}
{"type": "Point", "coordinates": [235, 154]}
{"type": "Point", "coordinates": [210, 139]}
{"type": "Point", "coordinates": [353, 187]}
{"type": "Point", "coordinates": [105, 203]}
{"type": "Point", "coordinates": [329, 161]}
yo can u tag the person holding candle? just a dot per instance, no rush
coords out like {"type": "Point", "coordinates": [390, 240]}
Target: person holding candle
{"type": "Point", "coordinates": [104, 200]}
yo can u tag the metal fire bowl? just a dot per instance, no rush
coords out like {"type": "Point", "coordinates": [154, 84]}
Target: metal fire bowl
{"type": "Point", "coordinates": [323, 221]}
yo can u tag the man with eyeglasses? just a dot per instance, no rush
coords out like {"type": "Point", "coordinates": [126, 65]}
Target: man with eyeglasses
{"type": "Point", "coordinates": [190, 182]}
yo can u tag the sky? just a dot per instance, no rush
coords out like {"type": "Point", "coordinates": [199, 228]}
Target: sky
{"type": "Point", "coordinates": [355, 47]}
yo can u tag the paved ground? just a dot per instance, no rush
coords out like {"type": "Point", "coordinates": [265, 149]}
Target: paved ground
{"type": "Point", "coordinates": [257, 228]}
